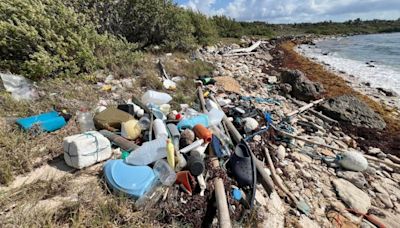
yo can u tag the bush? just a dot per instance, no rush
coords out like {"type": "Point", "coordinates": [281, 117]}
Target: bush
{"type": "Point", "coordinates": [41, 38]}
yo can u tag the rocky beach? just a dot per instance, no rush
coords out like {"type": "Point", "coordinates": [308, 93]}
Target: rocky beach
{"type": "Point", "coordinates": [277, 71]}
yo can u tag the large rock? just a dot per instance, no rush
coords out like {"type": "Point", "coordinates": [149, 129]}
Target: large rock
{"type": "Point", "coordinates": [351, 195]}
{"type": "Point", "coordinates": [348, 108]}
{"type": "Point", "coordinates": [302, 88]}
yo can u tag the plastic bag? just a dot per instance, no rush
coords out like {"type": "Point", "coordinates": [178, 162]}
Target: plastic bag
{"type": "Point", "coordinates": [19, 87]}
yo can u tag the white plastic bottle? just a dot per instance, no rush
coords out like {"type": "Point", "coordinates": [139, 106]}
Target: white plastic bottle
{"type": "Point", "coordinates": [215, 116]}
{"type": "Point", "coordinates": [149, 152]}
{"type": "Point", "coordinates": [160, 130]}
{"type": "Point", "coordinates": [85, 120]}
{"type": "Point", "coordinates": [155, 97]}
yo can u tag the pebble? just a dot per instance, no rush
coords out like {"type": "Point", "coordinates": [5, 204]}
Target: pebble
{"type": "Point", "coordinates": [281, 152]}
{"type": "Point", "coordinates": [351, 195]}
{"type": "Point", "coordinates": [385, 199]}
{"type": "Point", "coordinates": [357, 178]}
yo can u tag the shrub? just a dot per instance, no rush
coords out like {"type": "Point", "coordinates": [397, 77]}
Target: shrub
{"type": "Point", "coordinates": [40, 38]}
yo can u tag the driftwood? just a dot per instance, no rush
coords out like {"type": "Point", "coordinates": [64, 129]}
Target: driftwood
{"type": "Point", "coordinates": [220, 195]}
{"type": "Point", "coordinates": [249, 49]}
{"type": "Point", "coordinates": [278, 181]}
{"type": "Point", "coordinates": [304, 108]}
{"type": "Point", "coordinates": [239, 54]}
{"type": "Point", "coordinates": [315, 113]}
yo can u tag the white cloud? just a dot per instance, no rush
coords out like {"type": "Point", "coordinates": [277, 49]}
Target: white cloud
{"type": "Point", "coordinates": [300, 10]}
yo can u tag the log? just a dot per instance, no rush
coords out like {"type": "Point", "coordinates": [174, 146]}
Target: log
{"type": "Point", "coordinates": [164, 74]}
{"type": "Point", "coordinates": [248, 49]}
{"type": "Point", "coordinates": [239, 54]}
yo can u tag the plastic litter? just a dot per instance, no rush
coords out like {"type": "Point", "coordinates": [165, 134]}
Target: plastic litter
{"type": "Point", "coordinates": [353, 161]}
{"type": "Point", "coordinates": [134, 181]}
{"type": "Point", "coordinates": [192, 146]}
{"type": "Point", "coordinates": [164, 172]}
{"type": "Point", "coordinates": [169, 84]}
{"type": "Point", "coordinates": [203, 133]}
{"type": "Point", "coordinates": [215, 116]}
{"type": "Point", "coordinates": [19, 87]}
{"type": "Point", "coordinates": [170, 154]}
{"type": "Point", "coordinates": [196, 163]}
{"type": "Point", "coordinates": [149, 152]}
{"type": "Point", "coordinates": [83, 150]}
{"type": "Point", "coordinates": [187, 138]}
{"type": "Point", "coordinates": [155, 97]}
{"type": "Point", "coordinates": [160, 130]}
{"type": "Point", "coordinates": [202, 184]}
{"type": "Point", "coordinates": [49, 121]}
{"type": "Point", "coordinates": [191, 122]}
{"type": "Point", "coordinates": [131, 129]}
{"type": "Point", "coordinates": [185, 179]}
{"type": "Point", "coordinates": [132, 109]}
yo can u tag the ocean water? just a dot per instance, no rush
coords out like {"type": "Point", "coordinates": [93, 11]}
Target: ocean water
{"type": "Point", "coordinates": [370, 58]}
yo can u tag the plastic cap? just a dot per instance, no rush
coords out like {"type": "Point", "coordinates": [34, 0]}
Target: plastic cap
{"type": "Point", "coordinates": [237, 194]}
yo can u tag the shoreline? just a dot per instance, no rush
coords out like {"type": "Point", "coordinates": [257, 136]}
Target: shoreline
{"type": "Point", "coordinates": [354, 82]}
{"type": "Point", "coordinates": [336, 84]}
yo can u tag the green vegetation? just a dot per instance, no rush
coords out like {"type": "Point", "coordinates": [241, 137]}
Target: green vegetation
{"type": "Point", "coordinates": [44, 38]}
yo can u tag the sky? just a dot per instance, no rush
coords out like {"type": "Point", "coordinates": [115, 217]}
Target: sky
{"type": "Point", "coordinates": [294, 11]}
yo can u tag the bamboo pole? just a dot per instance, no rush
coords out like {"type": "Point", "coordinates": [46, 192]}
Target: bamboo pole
{"type": "Point", "coordinates": [304, 108]}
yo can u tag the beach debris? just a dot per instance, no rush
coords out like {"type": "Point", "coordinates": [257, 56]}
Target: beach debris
{"type": "Point", "coordinates": [19, 87]}
{"type": "Point", "coordinates": [352, 160]}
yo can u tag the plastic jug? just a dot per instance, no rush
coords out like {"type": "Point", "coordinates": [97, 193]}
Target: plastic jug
{"type": "Point", "coordinates": [149, 152]}
{"type": "Point", "coordinates": [164, 172]}
{"type": "Point", "coordinates": [191, 122]}
{"type": "Point", "coordinates": [215, 116]}
{"type": "Point", "coordinates": [155, 97]}
{"type": "Point", "coordinates": [85, 120]}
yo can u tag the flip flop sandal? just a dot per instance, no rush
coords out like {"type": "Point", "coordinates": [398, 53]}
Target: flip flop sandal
{"type": "Point", "coordinates": [240, 164]}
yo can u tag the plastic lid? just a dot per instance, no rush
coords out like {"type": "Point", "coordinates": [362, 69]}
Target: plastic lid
{"type": "Point", "coordinates": [134, 180]}
{"type": "Point", "coordinates": [237, 194]}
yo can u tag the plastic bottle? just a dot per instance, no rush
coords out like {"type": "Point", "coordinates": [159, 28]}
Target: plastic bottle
{"type": "Point", "coordinates": [192, 146]}
{"type": "Point", "coordinates": [131, 129]}
{"type": "Point", "coordinates": [165, 108]}
{"type": "Point", "coordinates": [170, 154]}
{"type": "Point", "coordinates": [164, 172]}
{"type": "Point", "coordinates": [155, 97]}
{"type": "Point", "coordinates": [85, 120]}
{"type": "Point", "coordinates": [144, 122]}
{"type": "Point", "coordinates": [215, 116]}
{"type": "Point", "coordinates": [149, 152]}
{"type": "Point", "coordinates": [160, 130]}
{"type": "Point", "coordinates": [191, 122]}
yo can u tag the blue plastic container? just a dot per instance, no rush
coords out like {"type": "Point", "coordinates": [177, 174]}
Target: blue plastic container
{"type": "Point", "coordinates": [49, 121]}
{"type": "Point", "coordinates": [134, 181]}
{"type": "Point", "coordinates": [191, 122]}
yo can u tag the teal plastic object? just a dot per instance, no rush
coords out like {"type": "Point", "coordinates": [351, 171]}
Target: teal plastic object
{"type": "Point", "coordinates": [49, 121]}
{"type": "Point", "coordinates": [191, 122]}
{"type": "Point", "coordinates": [134, 181]}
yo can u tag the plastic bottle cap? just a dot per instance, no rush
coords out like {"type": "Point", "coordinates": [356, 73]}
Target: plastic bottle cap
{"type": "Point", "coordinates": [237, 194]}
{"type": "Point", "coordinates": [178, 116]}
{"type": "Point", "coordinates": [124, 154]}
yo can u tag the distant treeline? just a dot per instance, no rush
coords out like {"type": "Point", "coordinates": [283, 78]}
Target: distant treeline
{"type": "Point", "coordinates": [42, 38]}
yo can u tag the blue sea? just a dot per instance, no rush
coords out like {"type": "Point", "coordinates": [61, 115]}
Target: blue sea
{"type": "Point", "coordinates": [370, 58]}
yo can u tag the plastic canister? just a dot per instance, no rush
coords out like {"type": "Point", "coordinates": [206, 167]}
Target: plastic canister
{"type": "Point", "coordinates": [215, 116]}
{"type": "Point", "coordinates": [202, 133]}
{"type": "Point", "coordinates": [160, 130]}
{"type": "Point", "coordinates": [155, 97]}
{"type": "Point", "coordinates": [196, 163]}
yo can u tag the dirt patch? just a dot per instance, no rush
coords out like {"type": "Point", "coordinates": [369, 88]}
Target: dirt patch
{"type": "Point", "coordinates": [386, 139]}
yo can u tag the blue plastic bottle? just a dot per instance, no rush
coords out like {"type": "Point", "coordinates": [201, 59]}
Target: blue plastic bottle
{"type": "Point", "coordinates": [192, 121]}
